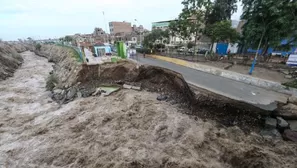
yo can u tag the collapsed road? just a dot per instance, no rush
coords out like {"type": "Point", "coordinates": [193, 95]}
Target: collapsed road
{"type": "Point", "coordinates": [125, 129]}
{"type": "Point", "coordinates": [257, 96]}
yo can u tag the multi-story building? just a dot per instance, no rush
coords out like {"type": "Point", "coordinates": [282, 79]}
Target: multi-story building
{"type": "Point", "coordinates": [98, 32]}
{"type": "Point", "coordinates": [163, 25]}
{"type": "Point", "coordinates": [120, 27]}
{"type": "Point", "coordinates": [174, 40]}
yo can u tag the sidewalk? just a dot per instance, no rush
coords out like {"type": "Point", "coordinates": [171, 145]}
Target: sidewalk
{"type": "Point", "coordinates": [271, 85]}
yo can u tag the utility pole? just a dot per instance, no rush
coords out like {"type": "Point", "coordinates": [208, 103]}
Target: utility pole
{"type": "Point", "coordinates": [140, 31]}
{"type": "Point", "coordinates": [105, 26]}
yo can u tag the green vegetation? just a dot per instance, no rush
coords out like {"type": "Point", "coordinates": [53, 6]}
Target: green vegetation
{"type": "Point", "coordinates": [74, 52]}
{"type": "Point", "coordinates": [38, 47]}
{"type": "Point", "coordinates": [68, 38]}
{"type": "Point", "coordinates": [222, 31]}
{"type": "Point", "coordinates": [292, 84]}
{"type": "Point", "coordinates": [190, 44]}
{"type": "Point", "coordinates": [220, 10]}
{"type": "Point", "coordinates": [191, 20]}
{"type": "Point", "coordinates": [157, 34]}
{"type": "Point", "coordinates": [51, 82]}
{"type": "Point", "coordinates": [268, 22]}
{"type": "Point", "coordinates": [203, 17]}
{"type": "Point", "coordinates": [143, 50]}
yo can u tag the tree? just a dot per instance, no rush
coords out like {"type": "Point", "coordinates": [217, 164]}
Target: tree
{"type": "Point", "coordinates": [190, 45]}
{"type": "Point", "coordinates": [38, 47]}
{"type": "Point", "coordinates": [68, 38]}
{"type": "Point", "coordinates": [156, 34]}
{"type": "Point", "coordinates": [268, 22]}
{"type": "Point", "coordinates": [222, 32]}
{"type": "Point", "coordinates": [191, 20]}
{"type": "Point", "coordinates": [221, 10]}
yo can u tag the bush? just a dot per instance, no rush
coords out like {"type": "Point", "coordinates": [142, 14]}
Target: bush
{"type": "Point", "coordinates": [38, 47]}
{"type": "Point", "coordinates": [143, 50]}
{"type": "Point", "coordinates": [292, 84]}
{"type": "Point", "coordinates": [51, 82]}
{"type": "Point", "coordinates": [190, 45]}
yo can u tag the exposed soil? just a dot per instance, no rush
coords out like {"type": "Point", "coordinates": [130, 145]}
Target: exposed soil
{"type": "Point", "coordinates": [126, 129]}
{"type": "Point", "coordinates": [10, 60]}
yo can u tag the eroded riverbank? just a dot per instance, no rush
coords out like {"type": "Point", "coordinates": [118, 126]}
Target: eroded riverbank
{"type": "Point", "coordinates": [126, 129]}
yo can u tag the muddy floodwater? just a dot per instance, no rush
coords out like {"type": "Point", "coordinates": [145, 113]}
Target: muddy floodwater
{"type": "Point", "coordinates": [126, 129]}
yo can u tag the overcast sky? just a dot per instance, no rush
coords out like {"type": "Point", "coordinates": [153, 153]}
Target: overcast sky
{"type": "Point", "coordinates": [55, 18]}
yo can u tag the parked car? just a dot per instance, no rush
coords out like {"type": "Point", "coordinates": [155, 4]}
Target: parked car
{"type": "Point", "coordinates": [202, 51]}
{"type": "Point", "coordinates": [191, 51]}
{"type": "Point", "coordinates": [182, 49]}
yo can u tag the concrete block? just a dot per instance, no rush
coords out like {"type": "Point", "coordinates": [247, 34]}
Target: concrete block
{"type": "Point", "coordinates": [281, 123]}
{"type": "Point", "coordinates": [293, 125]}
{"type": "Point", "coordinates": [125, 86]}
{"type": "Point", "coordinates": [270, 123]}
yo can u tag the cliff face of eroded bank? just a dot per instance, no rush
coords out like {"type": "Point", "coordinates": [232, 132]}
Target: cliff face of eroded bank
{"type": "Point", "coordinates": [10, 59]}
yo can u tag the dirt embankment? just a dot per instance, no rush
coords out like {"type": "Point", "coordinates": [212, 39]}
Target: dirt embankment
{"type": "Point", "coordinates": [10, 59]}
{"type": "Point", "coordinates": [85, 79]}
{"type": "Point", "coordinates": [66, 67]}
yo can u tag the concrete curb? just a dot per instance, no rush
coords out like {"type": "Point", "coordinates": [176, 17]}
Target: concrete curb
{"type": "Point", "coordinates": [266, 84]}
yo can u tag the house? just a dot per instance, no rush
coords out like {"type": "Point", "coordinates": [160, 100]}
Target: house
{"type": "Point", "coordinates": [175, 40]}
{"type": "Point", "coordinates": [119, 27]}
{"type": "Point", "coordinates": [102, 50]}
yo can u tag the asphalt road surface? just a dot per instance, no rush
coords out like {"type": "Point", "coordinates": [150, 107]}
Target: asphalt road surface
{"type": "Point", "coordinates": [260, 97]}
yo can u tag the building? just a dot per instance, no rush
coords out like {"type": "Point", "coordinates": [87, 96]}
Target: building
{"type": "Point", "coordinates": [173, 40]}
{"type": "Point", "coordinates": [122, 31]}
{"type": "Point", "coordinates": [120, 27]}
{"type": "Point", "coordinates": [161, 25]}
{"type": "Point", "coordinates": [98, 32]}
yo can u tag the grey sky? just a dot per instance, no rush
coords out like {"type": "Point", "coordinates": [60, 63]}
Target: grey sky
{"type": "Point", "coordinates": [56, 18]}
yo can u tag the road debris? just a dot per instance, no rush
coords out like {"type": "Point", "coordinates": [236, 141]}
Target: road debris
{"type": "Point", "coordinates": [270, 123]}
{"type": "Point", "coordinates": [281, 123]}
{"type": "Point", "coordinates": [290, 135]}
{"type": "Point", "coordinates": [162, 97]}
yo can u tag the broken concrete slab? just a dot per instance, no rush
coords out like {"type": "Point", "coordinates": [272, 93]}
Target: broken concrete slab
{"type": "Point", "coordinates": [290, 135]}
{"type": "Point", "coordinates": [97, 92]}
{"type": "Point", "coordinates": [79, 94]}
{"type": "Point", "coordinates": [132, 86]}
{"type": "Point", "coordinates": [57, 91]}
{"type": "Point", "coordinates": [271, 133]}
{"type": "Point", "coordinates": [125, 86]}
{"type": "Point", "coordinates": [286, 72]}
{"type": "Point", "coordinates": [281, 123]}
{"type": "Point", "coordinates": [107, 90]}
{"type": "Point", "coordinates": [270, 123]}
{"type": "Point", "coordinates": [293, 125]}
{"type": "Point", "coordinates": [288, 112]}
{"type": "Point", "coordinates": [289, 76]}
{"type": "Point", "coordinates": [136, 88]}
{"type": "Point", "coordinates": [71, 93]}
